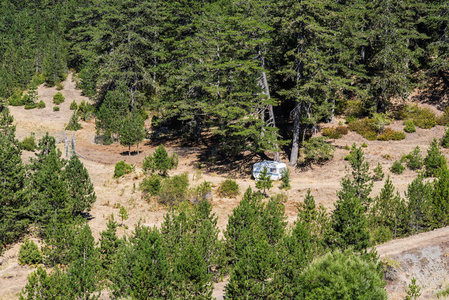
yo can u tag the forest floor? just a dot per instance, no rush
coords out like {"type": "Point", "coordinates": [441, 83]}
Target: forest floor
{"type": "Point", "coordinates": [322, 180]}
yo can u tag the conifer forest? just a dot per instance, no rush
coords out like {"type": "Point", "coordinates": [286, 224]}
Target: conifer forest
{"type": "Point", "coordinates": [247, 80]}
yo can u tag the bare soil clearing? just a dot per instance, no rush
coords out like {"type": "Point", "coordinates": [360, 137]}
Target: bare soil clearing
{"type": "Point", "coordinates": [322, 180]}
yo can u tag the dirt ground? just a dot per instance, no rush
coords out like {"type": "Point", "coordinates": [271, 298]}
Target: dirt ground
{"type": "Point", "coordinates": [322, 180]}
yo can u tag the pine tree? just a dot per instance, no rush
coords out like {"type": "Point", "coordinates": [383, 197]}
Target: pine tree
{"type": "Point", "coordinates": [420, 197]}
{"type": "Point", "coordinates": [13, 211]}
{"type": "Point", "coordinates": [264, 182]}
{"type": "Point", "coordinates": [109, 244]}
{"type": "Point", "coordinates": [440, 200]}
{"type": "Point", "coordinates": [85, 266]}
{"type": "Point", "coordinates": [79, 186]}
{"type": "Point", "coordinates": [249, 278]}
{"type": "Point", "coordinates": [132, 132]}
{"type": "Point", "coordinates": [160, 161]}
{"type": "Point", "coordinates": [359, 184]}
{"type": "Point", "coordinates": [434, 159]}
{"type": "Point", "coordinates": [42, 285]}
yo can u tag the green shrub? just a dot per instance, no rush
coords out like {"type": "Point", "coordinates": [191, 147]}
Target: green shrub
{"type": "Point", "coordinates": [160, 161]}
{"type": "Point", "coordinates": [59, 86]}
{"type": "Point", "coordinates": [55, 108]}
{"type": "Point", "coordinates": [29, 253]}
{"type": "Point", "coordinates": [386, 135]}
{"type": "Point", "coordinates": [415, 160]}
{"type": "Point", "coordinates": [285, 179]}
{"type": "Point", "coordinates": [28, 143]}
{"type": "Point", "coordinates": [353, 108]}
{"type": "Point", "coordinates": [122, 168]}
{"type": "Point", "coordinates": [41, 104]}
{"type": "Point", "coordinates": [397, 167]}
{"type": "Point", "coordinates": [203, 191]}
{"type": "Point", "coordinates": [317, 149]}
{"type": "Point", "coordinates": [381, 234]}
{"type": "Point", "coordinates": [58, 98]}
{"type": "Point", "coordinates": [335, 133]}
{"type": "Point", "coordinates": [342, 275]}
{"type": "Point", "coordinates": [444, 119]}
{"type": "Point", "coordinates": [350, 119]}
{"type": "Point", "coordinates": [16, 98]}
{"type": "Point", "coordinates": [365, 128]}
{"type": "Point", "coordinates": [421, 117]}
{"type": "Point", "coordinates": [30, 106]}
{"type": "Point", "coordinates": [409, 126]}
{"type": "Point", "coordinates": [85, 111]}
{"type": "Point", "coordinates": [174, 189]}
{"type": "Point", "coordinates": [73, 105]}
{"type": "Point", "coordinates": [378, 172]}
{"type": "Point", "coordinates": [434, 159]}
{"type": "Point", "coordinates": [228, 188]}
{"type": "Point", "coordinates": [398, 135]}
{"type": "Point", "coordinates": [364, 145]}
{"type": "Point", "coordinates": [380, 121]}
{"type": "Point", "coordinates": [444, 142]}
{"type": "Point", "coordinates": [38, 79]}
{"type": "Point", "coordinates": [151, 185]}
{"type": "Point", "coordinates": [73, 123]}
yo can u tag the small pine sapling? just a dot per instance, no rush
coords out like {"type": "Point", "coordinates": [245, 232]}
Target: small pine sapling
{"type": "Point", "coordinates": [285, 179]}
{"type": "Point", "coordinates": [413, 291]}
{"type": "Point", "coordinates": [264, 181]}
{"type": "Point", "coordinates": [123, 214]}
{"type": "Point", "coordinates": [434, 159]}
{"type": "Point", "coordinates": [73, 105]}
{"type": "Point", "coordinates": [73, 123]}
{"type": "Point", "coordinates": [160, 161]}
{"type": "Point", "coordinates": [415, 160]}
{"type": "Point", "coordinates": [378, 173]}
{"type": "Point", "coordinates": [397, 167]}
{"type": "Point", "coordinates": [29, 253]}
{"type": "Point", "coordinates": [444, 142]}
{"type": "Point", "coordinates": [409, 126]}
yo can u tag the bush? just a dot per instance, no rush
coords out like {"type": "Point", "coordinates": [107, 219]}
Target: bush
{"type": "Point", "coordinates": [335, 133]}
{"type": "Point", "coordinates": [73, 105]}
{"type": "Point", "coordinates": [364, 127]}
{"type": "Point", "coordinates": [378, 172]}
{"type": "Point", "coordinates": [381, 234]}
{"type": "Point", "coordinates": [16, 99]}
{"type": "Point", "coordinates": [85, 111]}
{"type": "Point", "coordinates": [73, 123]}
{"type": "Point", "coordinates": [151, 185]}
{"type": "Point", "coordinates": [174, 189]}
{"type": "Point", "coordinates": [317, 149]}
{"type": "Point", "coordinates": [203, 191]}
{"type": "Point", "coordinates": [122, 168]}
{"type": "Point", "coordinates": [228, 188]}
{"type": "Point", "coordinates": [415, 160]}
{"type": "Point", "coordinates": [434, 159]}
{"type": "Point", "coordinates": [29, 253]}
{"type": "Point", "coordinates": [30, 106]}
{"type": "Point", "coordinates": [59, 86]}
{"type": "Point", "coordinates": [364, 145]}
{"type": "Point", "coordinates": [409, 126]}
{"type": "Point", "coordinates": [55, 108]}
{"type": "Point", "coordinates": [350, 119]}
{"type": "Point", "coordinates": [58, 98]}
{"type": "Point", "coordinates": [444, 119]}
{"type": "Point", "coordinates": [342, 275]}
{"type": "Point", "coordinates": [398, 135]}
{"type": "Point", "coordinates": [353, 108]}
{"type": "Point", "coordinates": [160, 161]}
{"type": "Point", "coordinates": [421, 117]}
{"type": "Point", "coordinates": [28, 143]}
{"type": "Point", "coordinates": [397, 168]}
{"type": "Point", "coordinates": [41, 104]}
{"type": "Point", "coordinates": [386, 134]}
{"type": "Point", "coordinates": [285, 179]}
{"type": "Point", "coordinates": [444, 142]}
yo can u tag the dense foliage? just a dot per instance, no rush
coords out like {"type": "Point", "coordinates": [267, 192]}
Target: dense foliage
{"type": "Point", "coordinates": [237, 69]}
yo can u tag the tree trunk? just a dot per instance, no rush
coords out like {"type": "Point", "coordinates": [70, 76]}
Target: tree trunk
{"type": "Point", "coordinates": [295, 142]}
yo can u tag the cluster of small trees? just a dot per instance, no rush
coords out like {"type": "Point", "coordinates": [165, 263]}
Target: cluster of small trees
{"type": "Point", "coordinates": [47, 192]}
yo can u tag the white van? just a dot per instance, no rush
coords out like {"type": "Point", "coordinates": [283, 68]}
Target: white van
{"type": "Point", "coordinates": [274, 169]}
